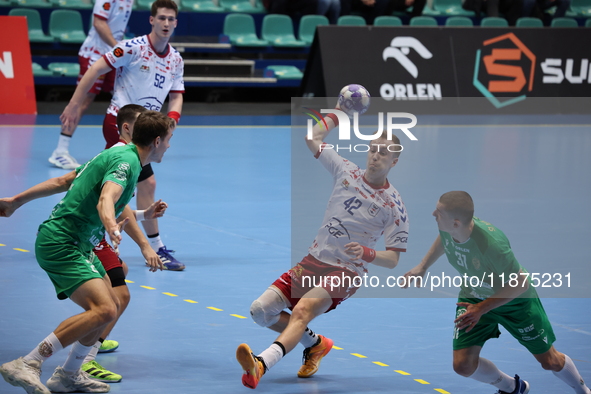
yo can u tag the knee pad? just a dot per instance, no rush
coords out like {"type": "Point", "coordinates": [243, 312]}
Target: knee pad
{"type": "Point", "coordinates": [266, 309]}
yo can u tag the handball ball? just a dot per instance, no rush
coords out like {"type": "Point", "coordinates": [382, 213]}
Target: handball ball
{"type": "Point", "coordinates": [354, 98]}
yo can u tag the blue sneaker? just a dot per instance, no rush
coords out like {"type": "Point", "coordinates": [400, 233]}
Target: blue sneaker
{"type": "Point", "coordinates": [169, 262]}
{"type": "Point", "coordinates": [521, 387]}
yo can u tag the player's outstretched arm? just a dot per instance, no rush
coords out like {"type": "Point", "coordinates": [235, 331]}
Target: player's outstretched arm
{"type": "Point", "coordinates": [110, 194]}
{"type": "Point", "coordinates": [430, 258]}
{"type": "Point", "coordinates": [47, 188]}
{"type": "Point", "coordinates": [319, 133]}
{"type": "Point", "coordinates": [383, 258]}
{"type": "Point", "coordinates": [133, 230]}
{"type": "Point", "coordinates": [72, 112]}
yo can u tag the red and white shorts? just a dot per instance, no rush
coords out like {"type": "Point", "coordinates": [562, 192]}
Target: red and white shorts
{"type": "Point", "coordinates": [105, 82]}
{"type": "Point", "coordinates": [311, 273]}
{"type": "Point", "coordinates": [107, 255]}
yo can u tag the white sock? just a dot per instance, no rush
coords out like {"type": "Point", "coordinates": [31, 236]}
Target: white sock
{"type": "Point", "coordinates": [309, 338]}
{"type": "Point", "coordinates": [75, 358]}
{"type": "Point", "coordinates": [45, 349]}
{"type": "Point", "coordinates": [63, 143]}
{"type": "Point", "coordinates": [570, 375]}
{"type": "Point", "coordinates": [93, 352]}
{"type": "Point", "coordinates": [487, 372]}
{"type": "Point", "coordinates": [156, 243]}
{"type": "Point", "coordinates": [272, 355]}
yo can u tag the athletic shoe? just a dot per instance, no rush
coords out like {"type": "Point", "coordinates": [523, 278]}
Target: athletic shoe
{"type": "Point", "coordinates": [108, 346]}
{"type": "Point", "coordinates": [521, 387]}
{"type": "Point", "coordinates": [26, 374]}
{"type": "Point", "coordinates": [60, 382]}
{"type": "Point", "coordinates": [63, 160]}
{"type": "Point", "coordinates": [313, 355]}
{"type": "Point", "coordinates": [98, 372]}
{"type": "Point", "coordinates": [253, 366]}
{"type": "Point", "coordinates": [170, 263]}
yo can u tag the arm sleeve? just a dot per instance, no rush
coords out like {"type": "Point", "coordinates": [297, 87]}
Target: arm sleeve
{"type": "Point", "coordinates": [121, 55]}
{"type": "Point", "coordinates": [178, 83]}
{"type": "Point", "coordinates": [102, 9]}
{"type": "Point", "coordinates": [396, 233]}
{"type": "Point", "coordinates": [333, 162]}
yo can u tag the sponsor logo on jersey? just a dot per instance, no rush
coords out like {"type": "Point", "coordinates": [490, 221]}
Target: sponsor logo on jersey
{"type": "Point", "coordinates": [107, 6]}
{"type": "Point", "coordinates": [373, 210]}
{"type": "Point", "coordinates": [345, 184]}
{"type": "Point", "coordinates": [336, 228]}
{"type": "Point", "coordinates": [476, 263]}
{"type": "Point", "coordinates": [144, 68]}
{"type": "Point", "coordinates": [118, 52]}
{"type": "Point", "coordinates": [403, 237]}
{"type": "Point", "coordinates": [121, 173]}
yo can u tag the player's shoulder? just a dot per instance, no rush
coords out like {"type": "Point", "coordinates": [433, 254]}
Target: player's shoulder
{"type": "Point", "coordinates": [488, 237]}
{"type": "Point", "coordinates": [134, 43]}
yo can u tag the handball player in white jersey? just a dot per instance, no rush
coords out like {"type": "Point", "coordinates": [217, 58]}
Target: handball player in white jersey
{"type": "Point", "coordinates": [109, 22]}
{"type": "Point", "coordinates": [148, 70]}
{"type": "Point", "coordinates": [363, 207]}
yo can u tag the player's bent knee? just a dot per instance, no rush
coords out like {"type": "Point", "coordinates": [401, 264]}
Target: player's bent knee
{"type": "Point", "coordinates": [262, 317]}
{"type": "Point", "coordinates": [464, 369]}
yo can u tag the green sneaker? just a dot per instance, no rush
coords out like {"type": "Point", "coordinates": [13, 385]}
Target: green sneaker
{"type": "Point", "coordinates": [108, 346]}
{"type": "Point", "coordinates": [97, 372]}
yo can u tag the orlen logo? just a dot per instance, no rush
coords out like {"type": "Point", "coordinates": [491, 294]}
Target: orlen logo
{"type": "Point", "coordinates": [508, 70]}
{"type": "Point", "coordinates": [400, 49]}
{"type": "Point", "coordinates": [345, 129]}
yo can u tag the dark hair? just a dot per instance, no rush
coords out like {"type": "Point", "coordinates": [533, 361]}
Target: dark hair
{"type": "Point", "coordinates": [148, 126]}
{"type": "Point", "coordinates": [128, 114]}
{"type": "Point", "coordinates": [459, 204]}
{"type": "Point", "coordinates": [170, 4]}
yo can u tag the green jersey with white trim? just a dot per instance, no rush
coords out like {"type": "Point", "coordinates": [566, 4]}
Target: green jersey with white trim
{"type": "Point", "coordinates": [75, 219]}
{"type": "Point", "coordinates": [485, 261]}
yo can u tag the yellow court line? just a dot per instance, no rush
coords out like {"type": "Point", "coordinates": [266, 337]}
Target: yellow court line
{"type": "Point", "coordinates": [20, 250]}
{"type": "Point", "coordinates": [401, 372]}
{"type": "Point", "coordinates": [129, 281]}
{"type": "Point", "coordinates": [148, 287]}
{"type": "Point", "coordinates": [358, 355]}
{"type": "Point", "coordinates": [214, 309]}
{"type": "Point", "coordinates": [191, 301]}
{"type": "Point", "coordinates": [442, 391]}
{"type": "Point", "coordinates": [170, 294]}
{"type": "Point", "coordinates": [238, 316]}
{"type": "Point", "coordinates": [2, 245]}
{"type": "Point", "coordinates": [421, 381]}
{"type": "Point", "coordinates": [380, 364]}
{"type": "Point", "coordinates": [337, 348]}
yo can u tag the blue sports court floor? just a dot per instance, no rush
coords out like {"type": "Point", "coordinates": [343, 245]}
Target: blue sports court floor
{"type": "Point", "coordinates": [228, 186]}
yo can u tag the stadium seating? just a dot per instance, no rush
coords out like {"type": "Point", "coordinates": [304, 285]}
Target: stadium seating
{"type": "Point", "coordinates": [386, 20]}
{"type": "Point", "coordinates": [245, 6]}
{"type": "Point", "coordinates": [423, 21]}
{"type": "Point", "coordinates": [39, 71]}
{"type": "Point", "coordinates": [459, 21]}
{"type": "Point", "coordinates": [278, 30]}
{"type": "Point", "coordinates": [308, 25]}
{"type": "Point", "coordinates": [564, 22]}
{"type": "Point", "coordinates": [64, 69]}
{"type": "Point", "coordinates": [73, 4]}
{"type": "Point", "coordinates": [31, 3]}
{"type": "Point", "coordinates": [283, 72]}
{"type": "Point", "coordinates": [200, 6]}
{"type": "Point", "coordinates": [493, 21]}
{"type": "Point", "coordinates": [36, 33]}
{"type": "Point", "coordinates": [527, 21]}
{"type": "Point", "coordinates": [241, 31]}
{"type": "Point", "coordinates": [450, 7]}
{"type": "Point", "coordinates": [588, 23]}
{"type": "Point", "coordinates": [66, 26]}
{"type": "Point", "coordinates": [581, 7]}
{"type": "Point", "coordinates": [351, 20]}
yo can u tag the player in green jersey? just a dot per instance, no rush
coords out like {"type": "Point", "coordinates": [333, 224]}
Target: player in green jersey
{"type": "Point", "coordinates": [97, 196]}
{"type": "Point", "coordinates": [477, 248]}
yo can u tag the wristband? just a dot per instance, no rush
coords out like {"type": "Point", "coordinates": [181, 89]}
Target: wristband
{"type": "Point", "coordinates": [368, 254]}
{"type": "Point", "coordinates": [174, 115]}
{"type": "Point", "coordinates": [140, 215]}
{"type": "Point", "coordinates": [334, 118]}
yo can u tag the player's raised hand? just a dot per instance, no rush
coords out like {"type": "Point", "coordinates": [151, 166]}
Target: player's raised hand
{"type": "Point", "coordinates": [7, 207]}
{"type": "Point", "coordinates": [415, 275]}
{"type": "Point", "coordinates": [156, 210]}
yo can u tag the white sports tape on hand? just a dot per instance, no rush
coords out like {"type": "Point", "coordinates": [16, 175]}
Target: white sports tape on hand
{"type": "Point", "coordinates": [117, 233]}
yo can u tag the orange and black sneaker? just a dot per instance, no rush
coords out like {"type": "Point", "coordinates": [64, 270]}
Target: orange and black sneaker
{"type": "Point", "coordinates": [313, 355]}
{"type": "Point", "coordinates": [253, 366]}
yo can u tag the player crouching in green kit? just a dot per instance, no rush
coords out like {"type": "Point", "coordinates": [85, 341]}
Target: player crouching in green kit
{"type": "Point", "coordinates": [97, 196]}
{"type": "Point", "coordinates": [477, 248]}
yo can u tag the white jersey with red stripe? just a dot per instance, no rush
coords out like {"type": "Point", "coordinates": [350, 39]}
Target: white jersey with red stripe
{"type": "Point", "coordinates": [357, 212]}
{"type": "Point", "coordinates": [116, 13]}
{"type": "Point", "coordinates": [144, 77]}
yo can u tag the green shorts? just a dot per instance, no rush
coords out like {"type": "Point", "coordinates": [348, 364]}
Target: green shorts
{"type": "Point", "coordinates": [524, 318]}
{"type": "Point", "coordinates": [65, 263]}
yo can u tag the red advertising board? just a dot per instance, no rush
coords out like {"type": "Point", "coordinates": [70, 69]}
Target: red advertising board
{"type": "Point", "coordinates": [17, 88]}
